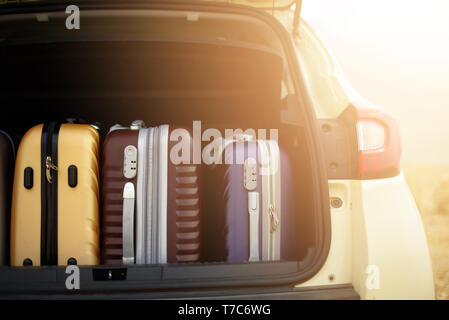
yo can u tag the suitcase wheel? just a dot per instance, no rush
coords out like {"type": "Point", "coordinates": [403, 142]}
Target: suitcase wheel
{"type": "Point", "coordinates": [27, 262]}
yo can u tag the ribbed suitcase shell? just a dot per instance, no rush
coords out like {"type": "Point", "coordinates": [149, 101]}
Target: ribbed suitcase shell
{"type": "Point", "coordinates": [78, 207]}
{"type": "Point", "coordinates": [182, 203]}
{"type": "Point", "coordinates": [113, 182]}
{"type": "Point", "coordinates": [183, 213]}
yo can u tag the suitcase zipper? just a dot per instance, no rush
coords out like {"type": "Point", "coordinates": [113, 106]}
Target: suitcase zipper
{"type": "Point", "coordinates": [48, 167]}
{"type": "Point", "coordinates": [49, 194]}
{"type": "Point", "coordinates": [143, 172]}
{"type": "Point", "coordinates": [274, 217]}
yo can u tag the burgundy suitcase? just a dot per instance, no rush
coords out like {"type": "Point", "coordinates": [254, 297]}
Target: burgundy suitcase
{"type": "Point", "coordinates": [150, 206]}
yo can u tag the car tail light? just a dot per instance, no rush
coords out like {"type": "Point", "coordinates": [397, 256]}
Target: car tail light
{"type": "Point", "coordinates": [379, 143]}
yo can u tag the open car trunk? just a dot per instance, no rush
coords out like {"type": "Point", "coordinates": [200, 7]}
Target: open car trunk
{"type": "Point", "coordinates": [224, 81]}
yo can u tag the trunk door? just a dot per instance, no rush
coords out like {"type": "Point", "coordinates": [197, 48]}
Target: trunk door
{"type": "Point", "coordinates": [262, 4]}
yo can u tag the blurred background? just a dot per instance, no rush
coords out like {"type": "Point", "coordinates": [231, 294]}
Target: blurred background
{"type": "Point", "coordinates": [395, 53]}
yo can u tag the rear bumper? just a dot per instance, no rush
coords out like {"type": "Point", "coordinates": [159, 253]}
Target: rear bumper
{"type": "Point", "coordinates": [335, 292]}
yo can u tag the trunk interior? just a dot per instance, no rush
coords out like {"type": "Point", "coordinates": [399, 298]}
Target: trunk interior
{"type": "Point", "coordinates": [223, 84]}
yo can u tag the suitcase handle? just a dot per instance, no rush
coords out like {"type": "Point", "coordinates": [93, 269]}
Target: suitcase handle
{"type": "Point", "coordinates": [253, 209]}
{"type": "Point", "coordinates": [128, 223]}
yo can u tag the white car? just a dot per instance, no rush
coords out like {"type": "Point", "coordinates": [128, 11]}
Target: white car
{"type": "Point", "coordinates": [362, 235]}
{"type": "Point", "coordinates": [378, 241]}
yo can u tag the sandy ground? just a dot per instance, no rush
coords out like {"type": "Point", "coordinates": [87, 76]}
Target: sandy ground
{"type": "Point", "coordinates": [430, 187]}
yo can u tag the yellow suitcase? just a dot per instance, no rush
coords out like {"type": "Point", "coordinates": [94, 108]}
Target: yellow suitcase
{"type": "Point", "coordinates": [55, 214]}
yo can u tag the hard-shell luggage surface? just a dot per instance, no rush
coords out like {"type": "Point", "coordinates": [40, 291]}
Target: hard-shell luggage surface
{"type": "Point", "coordinates": [256, 204]}
{"type": "Point", "coordinates": [7, 155]}
{"type": "Point", "coordinates": [150, 211]}
{"type": "Point", "coordinates": [55, 204]}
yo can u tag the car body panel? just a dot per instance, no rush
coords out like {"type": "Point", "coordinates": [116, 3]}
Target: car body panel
{"type": "Point", "coordinates": [378, 242]}
{"type": "Point", "coordinates": [330, 92]}
{"type": "Point", "coordinates": [389, 235]}
{"type": "Point", "coordinates": [338, 267]}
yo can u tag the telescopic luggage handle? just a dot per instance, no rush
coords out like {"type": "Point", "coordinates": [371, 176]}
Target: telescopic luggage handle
{"type": "Point", "coordinates": [128, 223]}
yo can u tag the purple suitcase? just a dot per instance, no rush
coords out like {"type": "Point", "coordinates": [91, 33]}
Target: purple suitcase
{"type": "Point", "coordinates": [258, 198]}
{"type": "Point", "coordinates": [237, 216]}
